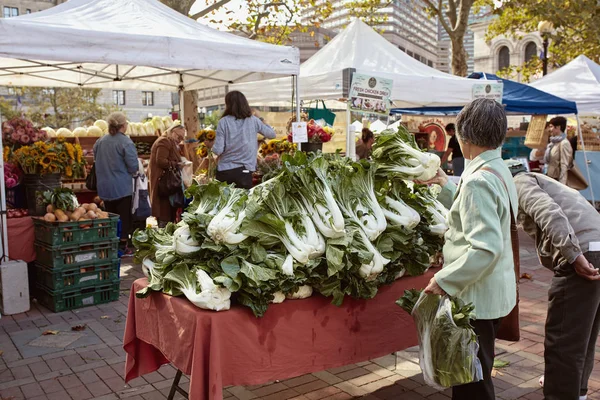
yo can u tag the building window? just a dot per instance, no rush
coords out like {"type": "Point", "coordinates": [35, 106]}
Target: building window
{"type": "Point", "coordinates": [28, 11]}
{"type": "Point", "coordinates": [11, 12]}
{"type": "Point", "coordinates": [119, 97]}
{"type": "Point", "coordinates": [429, 63]}
{"type": "Point", "coordinates": [147, 98]}
{"type": "Point", "coordinates": [401, 48]}
{"type": "Point", "coordinates": [410, 53]}
{"type": "Point", "coordinates": [503, 58]}
{"type": "Point", "coordinates": [530, 51]}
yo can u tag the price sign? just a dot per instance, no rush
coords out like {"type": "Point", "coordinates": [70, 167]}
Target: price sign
{"type": "Point", "coordinates": [299, 132]}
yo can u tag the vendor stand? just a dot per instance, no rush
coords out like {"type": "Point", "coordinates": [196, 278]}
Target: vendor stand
{"type": "Point", "coordinates": [45, 49]}
{"type": "Point", "coordinates": [235, 348]}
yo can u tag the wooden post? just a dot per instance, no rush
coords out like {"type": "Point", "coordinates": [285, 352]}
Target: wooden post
{"type": "Point", "coordinates": [190, 113]}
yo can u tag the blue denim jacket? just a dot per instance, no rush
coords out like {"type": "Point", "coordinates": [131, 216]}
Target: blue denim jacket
{"type": "Point", "coordinates": [116, 162]}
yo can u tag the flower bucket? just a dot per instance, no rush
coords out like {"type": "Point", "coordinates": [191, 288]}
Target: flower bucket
{"type": "Point", "coordinates": [35, 185]}
{"type": "Point", "coordinates": [311, 147]}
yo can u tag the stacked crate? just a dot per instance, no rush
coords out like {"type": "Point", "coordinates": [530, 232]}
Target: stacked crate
{"type": "Point", "coordinates": [77, 263]}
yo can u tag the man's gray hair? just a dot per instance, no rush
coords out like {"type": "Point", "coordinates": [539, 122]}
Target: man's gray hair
{"type": "Point", "coordinates": [482, 123]}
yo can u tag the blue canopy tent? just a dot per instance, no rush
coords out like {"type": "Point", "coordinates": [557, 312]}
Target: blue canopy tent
{"type": "Point", "coordinates": [517, 97]}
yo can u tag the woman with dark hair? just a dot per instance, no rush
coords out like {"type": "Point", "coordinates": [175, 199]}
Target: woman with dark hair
{"type": "Point", "coordinates": [363, 147]}
{"type": "Point", "coordinates": [559, 153]}
{"type": "Point", "coordinates": [236, 145]}
{"type": "Point", "coordinates": [116, 162]}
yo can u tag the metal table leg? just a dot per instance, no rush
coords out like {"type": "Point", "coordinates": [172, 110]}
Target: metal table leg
{"type": "Point", "coordinates": [175, 387]}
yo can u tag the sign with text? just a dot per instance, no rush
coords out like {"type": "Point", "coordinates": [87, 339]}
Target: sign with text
{"type": "Point", "coordinates": [490, 90]}
{"type": "Point", "coordinates": [299, 132]}
{"type": "Point", "coordinates": [370, 95]}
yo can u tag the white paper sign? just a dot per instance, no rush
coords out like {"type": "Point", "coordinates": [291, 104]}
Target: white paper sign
{"type": "Point", "coordinates": [84, 257]}
{"type": "Point", "coordinates": [299, 132]}
{"type": "Point", "coordinates": [491, 90]}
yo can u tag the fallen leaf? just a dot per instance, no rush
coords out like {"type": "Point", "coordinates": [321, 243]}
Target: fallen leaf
{"type": "Point", "coordinates": [78, 328]}
{"type": "Point", "coordinates": [526, 276]}
{"type": "Point", "coordinates": [501, 364]}
{"type": "Point", "coordinates": [118, 321]}
{"type": "Point", "coordinates": [50, 333]}
{"type": "Point", "coordinates": [1, 352]}
{"type": "Point", "coordinates": [104, 317]}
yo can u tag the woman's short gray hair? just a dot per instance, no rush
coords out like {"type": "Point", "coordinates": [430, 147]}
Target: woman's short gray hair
{"type": "Point", "coordinates": [482, 123]}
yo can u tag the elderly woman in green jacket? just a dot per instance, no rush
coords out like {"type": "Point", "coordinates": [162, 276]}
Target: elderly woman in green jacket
{"type": "Point", "coordinates": [478, 260]}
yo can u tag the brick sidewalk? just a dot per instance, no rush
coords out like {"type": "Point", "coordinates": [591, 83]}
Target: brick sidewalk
{"type": "Point", "coordinates": [90, 364]}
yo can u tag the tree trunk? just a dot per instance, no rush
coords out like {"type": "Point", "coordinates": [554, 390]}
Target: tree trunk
{"type": "Point", "coordinates": [459, 57]}
{"type": "Point", "coordinates": [190, 112]}
{"type": "Point", "coordinates": [182, 6]}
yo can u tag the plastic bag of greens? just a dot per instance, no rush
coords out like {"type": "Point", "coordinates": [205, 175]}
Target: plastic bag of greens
{"type": "Point", "coordinates": [448, 344]}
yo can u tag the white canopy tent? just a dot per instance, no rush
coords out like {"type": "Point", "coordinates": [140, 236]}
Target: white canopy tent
{"type": "Point", "coordinates": [362, 50]}
{"type": "Point", "coordinates": [578, 81]}
{"type": "Point", "coordinates": [128, 44]}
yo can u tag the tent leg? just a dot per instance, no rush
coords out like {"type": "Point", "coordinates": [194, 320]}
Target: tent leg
{"type": "Point", "coordinates": [297, 97]}
{"type": "Point", "coordinates": [3, 204]}
{"type": "Point", "coordinates": [587, 166]}
{"type": "Point", "coordinates": [181, 106]}
{"type": "Point", "coordinates": [350, 142]}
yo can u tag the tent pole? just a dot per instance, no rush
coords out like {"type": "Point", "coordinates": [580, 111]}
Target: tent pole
{"type": "Point", "coordinates": [297, 98]}
{"type": "Point", "coordinates": [350, 143]}
{"type": "Point", "coordinates": [181, 100]}
{"type": "Point", "coordinates": [587, 166]}
{"type": "Point", "coordinates": [3, 203]}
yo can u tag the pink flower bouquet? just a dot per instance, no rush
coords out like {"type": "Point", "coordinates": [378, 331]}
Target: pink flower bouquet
{"type": "Point", "coordinates": [12, 175]}
{"type": "Point", "coordinates": [21, 132]}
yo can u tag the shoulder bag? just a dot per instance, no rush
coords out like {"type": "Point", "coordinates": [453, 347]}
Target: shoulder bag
{"type": "Point", "coordinates": [90, 180]}
{"type": "Point", "coordinates": [575, 179]}
{"type": "Point", "coordinates": [509, 326]}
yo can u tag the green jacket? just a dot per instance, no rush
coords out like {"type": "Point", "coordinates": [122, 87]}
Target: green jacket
{"type": "Point", "coordinates": [478, 259]}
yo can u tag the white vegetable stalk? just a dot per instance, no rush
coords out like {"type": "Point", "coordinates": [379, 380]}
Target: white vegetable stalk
{"type": "Point", "coordinates": [223, 228]}
{"type": "Point", "coordinates": [401, 214]}
{"type": "Point", "coordinates": [375, 267]}
{"type": "Point", "coordinates": [303, 292]}
{"type": "Point", "coordinates": [184, 242]}
{"type": "Point", "coordinates": [147, 266]}
{"type": "Point", "coordinates": [211, 296]}
{"type": "Point", "coordinates": [439, 212]}
{"type": "Point", "coordinates": [278, 297]}
{"type": "Point", "coordinates": [288, 265]}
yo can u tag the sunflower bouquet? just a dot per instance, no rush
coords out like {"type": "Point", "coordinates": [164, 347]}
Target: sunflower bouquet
{"type": "Point", "coordinates": [206, 134]}
{"type": "Point", "coordinates": [208, 166]}
{"type": "Point", "coordinates": [41, 158]}
{"type": "Point", "coordinates": [276, 146]}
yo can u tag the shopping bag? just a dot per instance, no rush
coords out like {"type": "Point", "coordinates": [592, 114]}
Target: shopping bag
{"type": "Point", "coordinates": [447, 351]}
{"type": "Point", "coordinates": [321, 113]}
{"type": "Point", "coordinates": [90, 180]}
{"type": "Point", "coordinates": [187, 172]}
{"type": "Point", "coordinates": [575, 179]}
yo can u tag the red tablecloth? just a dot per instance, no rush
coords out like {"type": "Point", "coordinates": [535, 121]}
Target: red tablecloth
{"type": "Point", "coordinates": [20, 239]}
{"type": "Point", "coordinates": [293, 338]}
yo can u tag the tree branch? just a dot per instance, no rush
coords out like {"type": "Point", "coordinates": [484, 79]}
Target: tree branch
{"type": "Point", "coordinates": [438, 11]}
{"type": "Point", "coordinates": [451, 13]}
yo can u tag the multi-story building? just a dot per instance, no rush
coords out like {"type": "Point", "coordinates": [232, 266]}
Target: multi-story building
{"type": "Point", "coordinates": [407, 26]}
{"type": "Point", "coordinates": [445, 45]}
{"type": "Point", "coordinates": [136, 104]}
{"type": "Point", "coordinates": [502, 52]}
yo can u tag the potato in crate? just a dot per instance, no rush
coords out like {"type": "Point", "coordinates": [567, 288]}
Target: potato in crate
{"type": "Point", "coordinates": [58, 228]}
